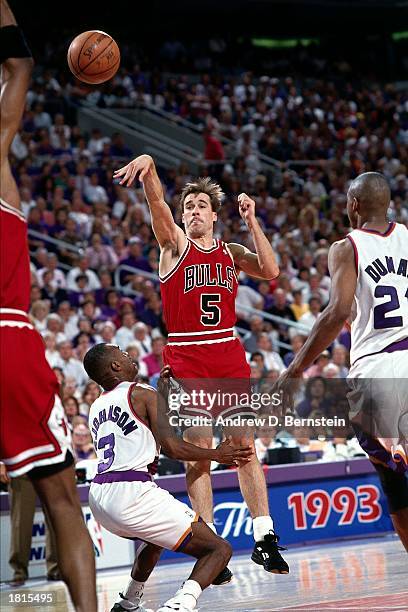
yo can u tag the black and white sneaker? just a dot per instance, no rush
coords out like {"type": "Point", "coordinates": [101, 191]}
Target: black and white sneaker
{"type": "Point", "coordinates": [223, 577]}
{"type": "Point", "coordinates": [136, 608]}
{"type": "Point", "coordinates": [266, 553]}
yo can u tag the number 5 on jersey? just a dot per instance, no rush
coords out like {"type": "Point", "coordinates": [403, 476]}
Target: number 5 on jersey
{"type": "Point", "coordinates": [211, 312]}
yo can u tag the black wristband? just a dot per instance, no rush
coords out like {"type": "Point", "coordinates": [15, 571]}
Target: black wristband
{"type": "Point", "coordinates": [13, 43]}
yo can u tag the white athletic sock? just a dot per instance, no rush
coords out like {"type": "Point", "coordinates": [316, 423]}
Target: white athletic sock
{"type": "Point", "coordinates": [190, 592]}
{"type": "Point", "coordinates": [212, 527]}
{"type": "Point", "coordinates": [132, 595]}
{"type": "Point", "coordinates": [262, 526]}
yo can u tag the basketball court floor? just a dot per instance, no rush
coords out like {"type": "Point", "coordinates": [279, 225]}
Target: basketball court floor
{"type": "Point", "coordinates": [370, 574]}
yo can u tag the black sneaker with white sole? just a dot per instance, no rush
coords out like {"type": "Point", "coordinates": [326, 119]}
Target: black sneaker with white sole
{"type": "Point", "coordinates": [266, 553]}
{"type": "Point", "coordinates": [223, 577]}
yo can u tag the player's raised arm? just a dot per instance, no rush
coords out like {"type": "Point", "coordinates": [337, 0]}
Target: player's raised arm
{"type": "Point", "coordinates": [16, 67]}
{"type": "Point", "coordinates": [261, 264]}
{"type": "Point", "coordinates": [329, 324]}
{"type": "Point", "coordinates": [166, 231]}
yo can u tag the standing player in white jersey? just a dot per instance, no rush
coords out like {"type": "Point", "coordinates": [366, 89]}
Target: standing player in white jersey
{"type": "Point", "coordinates": [128, 424]}
{"type": "Point", "coordinates": [370, 288]}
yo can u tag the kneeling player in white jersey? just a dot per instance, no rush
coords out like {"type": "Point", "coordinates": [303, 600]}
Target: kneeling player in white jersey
{"type": "Point", "coordinates": [128, 424]}
{"type": "Point", "coordinates": [369, 287]}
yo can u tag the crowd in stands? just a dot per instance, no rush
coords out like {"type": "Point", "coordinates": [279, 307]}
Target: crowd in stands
{"type": "Point", "coordinates": [94, 255]}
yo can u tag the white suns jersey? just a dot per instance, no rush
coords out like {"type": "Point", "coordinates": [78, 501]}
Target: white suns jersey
{"type": "Point", "coordinates": [380, 307]}
{"type": "Point", "coordinates": [121, 440]}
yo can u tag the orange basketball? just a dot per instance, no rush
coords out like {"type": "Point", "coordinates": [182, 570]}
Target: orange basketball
{"type": "Point", "coordinates": [93, 57]}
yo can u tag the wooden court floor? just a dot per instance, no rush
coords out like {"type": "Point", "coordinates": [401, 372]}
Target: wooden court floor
{"type": "Point", "coordinates": [367, 574]}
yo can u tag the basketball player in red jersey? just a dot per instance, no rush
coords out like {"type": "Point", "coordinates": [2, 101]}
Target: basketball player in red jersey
{"type": "Point", "coordinates": [199, 281]}
{"type": "Point", "coordinates": [34, 438]}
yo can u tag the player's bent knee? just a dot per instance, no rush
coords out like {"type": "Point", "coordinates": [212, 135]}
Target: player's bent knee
{"type": "Point", "coordinates": [203, 467]}
{"type": "Point", "coordinates": [395, 486]}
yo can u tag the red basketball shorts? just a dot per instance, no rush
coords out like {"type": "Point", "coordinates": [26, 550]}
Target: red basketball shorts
{"type": "Point", "coordinates": [216, 377]}
{"type": "Point", "coordinates": [33, 429]}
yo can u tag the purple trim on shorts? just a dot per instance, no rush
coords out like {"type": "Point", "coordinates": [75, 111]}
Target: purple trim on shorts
{"type": "Point", "coordinates": [184, 542]}
{"type": "Point", "coordinates": [126, 476]}
{"type": "Point", "coordinates": [401, 345]}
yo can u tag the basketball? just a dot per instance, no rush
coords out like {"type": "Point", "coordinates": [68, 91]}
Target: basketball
{"type": "Point", "coordinates": [93, 57]}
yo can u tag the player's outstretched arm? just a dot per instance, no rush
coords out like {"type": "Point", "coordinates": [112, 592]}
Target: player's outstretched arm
{"type": "Point", "coordinates": [175, 447]}
{"type": "Point", "coordinates": [16, 68]}
{"type": "Point", "coordinates": [143, 167]}
{"type": "Point", "coordinates": [261, 264]}
{"type": "Point", "coordinates": [330, 323]}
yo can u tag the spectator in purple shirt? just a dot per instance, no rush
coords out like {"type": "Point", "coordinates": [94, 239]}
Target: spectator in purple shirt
{"type": "Point", "coordinates": [154, 361]}
{"type": "Point", "coordinates": [135, 259]}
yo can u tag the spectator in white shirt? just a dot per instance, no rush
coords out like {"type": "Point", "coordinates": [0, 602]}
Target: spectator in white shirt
{"type": "Point", "coordinates": [39, 312]}
{"type": "Point", "coordinates": [56, 327]}
{"type": "Point", "coordinates": [59, 132]}
{"type": "Point", "coordinates": [58, 277]}
{"type": "Point", "coordinates": [95, 192]}
{"type": "Point", "coordinates": [82, 268]}
{"type": "Point", "coordinates": [51, 353]}
{"type": "Point", "coordinates": [272, 360]}
{"type": "Point", "coordinates": [247, 297]}
{"type": "Point", "coordinates": [142, 339]}
{"type": "Point", "coordinates": [41, 118]}
{"type": "Point", "coordinates": [70, 365]}
{"type": "Point", "coordinates": [314, 187]}
{"type": "Point", "coordinates": [107, 333]}
{"type": "Point", "coordinates": [310, 318]}
{"type": "Point", "coordinates": [125, 335]}
{"type": "Point", "coordinates": [69, 319]}
{"type": "Point", "coordinates": [134, 353]}
{"type": "Point", "coordinates": [27, 200]}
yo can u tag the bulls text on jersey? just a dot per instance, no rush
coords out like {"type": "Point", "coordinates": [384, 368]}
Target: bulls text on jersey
{"type": "Point", "coordinates": [204, 275]}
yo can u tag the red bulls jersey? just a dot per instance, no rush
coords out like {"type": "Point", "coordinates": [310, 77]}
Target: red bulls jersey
{"type": "Point", "coordinates": [198, 295]}
{"type": "Point", "coordinates": [14, 260]}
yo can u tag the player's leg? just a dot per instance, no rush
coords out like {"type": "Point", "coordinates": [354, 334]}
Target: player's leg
{"type": "Point", "coordinates": [146, 558]}
{"type": "Point", "coordinates": [254, 491]}
{"type": "Point", "coordinates": [51, 556]}
{"type": "Point", "coordinates": [400, 521]}
{"type": "Point", "coordinates": [22, 508]}
{"type": "Point", "coordinates": [76, 557]}
{"type": "Point", "coordinates": [212, 554]}
{"type": "Point", "coordinates": [198, 475]}
{"type": "Point", "coordinates": [395, 487]}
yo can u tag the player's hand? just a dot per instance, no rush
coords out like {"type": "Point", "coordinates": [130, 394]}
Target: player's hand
{"type": "Point", "coordinates": [287, 385]}
{"type": "Point", "coordinates": [230, 455]}
{"type": "Point", "coordinates": [4, 477]}
{"type": "Point", "coordinates": [164, 381]}
{"type": "Point", "coordinates": [139, 166]}
{"type": "Point", "coordinates": [246, 208]}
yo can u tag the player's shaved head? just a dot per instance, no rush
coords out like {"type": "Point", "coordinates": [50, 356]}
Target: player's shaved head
{"type": "Point", "coordinates": [372, 191]}
{"type": "Point", "coordinates": [98, 360]}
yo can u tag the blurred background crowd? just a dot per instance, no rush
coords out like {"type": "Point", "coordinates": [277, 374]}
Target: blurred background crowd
{"type": "Point", "coordinates": [321, 116]}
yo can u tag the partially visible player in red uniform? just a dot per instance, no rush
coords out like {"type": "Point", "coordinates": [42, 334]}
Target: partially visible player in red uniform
{"type": "Point", "coordinates": [34, 438]}
{"type": "Point", "coordinates": [199, 281]}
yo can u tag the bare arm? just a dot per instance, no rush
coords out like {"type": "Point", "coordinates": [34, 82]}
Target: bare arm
{"type": "Point", "coordinates": [167, 233]}
{"type": "Point", "coordinates": [175, 447]}
{"type": "Point", "coordinates": [331, 321]}
{"type": "Point", "coordinates": [261, 264]}
{"type": "Point", "coordinates": [15, 78]}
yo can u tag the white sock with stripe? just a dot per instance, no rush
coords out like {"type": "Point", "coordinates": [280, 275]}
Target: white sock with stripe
{"type": "Point", "coordinates": [189, 593]}
{"type": "Point", "coordinates": [132, 595]}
